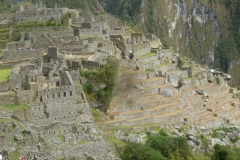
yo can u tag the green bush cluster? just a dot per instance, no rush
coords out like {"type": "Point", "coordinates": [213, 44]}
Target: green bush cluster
{"type": "Point", "coordinates": [105, 75]}
{"type": "Point", "coordinates": [159, 147]}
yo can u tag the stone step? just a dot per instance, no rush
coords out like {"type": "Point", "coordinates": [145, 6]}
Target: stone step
{"type": "Point", "coordinates": [209, 88]}
{"type": "Point", "coordinates": [166, 108]}
{"type": "Point", "coordinates": [169, 117]}
{"type": "Point", "coordinates": [133, 93]}
{"type": "Point", "coordinates": [198, 104]}
{"type": "Point", "coordinates": [115, 122]}
{"type": "Point", "coordinates": [234, 118]}
{"type": "Point", "coordinates": [230, 110]}
{"type": "Point", "coordinates": [146, 104]}
{"type": "Point", "coordinates": [130, 100]}
{"type": "Point", "coordinates": [214, 101]}
{"type": "Point", "coordinates": [218, 93]}
{"type": "Point", "coordinates": [142, 82]}
{"type": "Point", "coordinates": [129, 114]}
{"type": "Point", "coordinates": [202, 116]}
{"type": "Point", "coordinates": [194, 99]}
{"type": "Point", "coordinates": [221, 105]}
{"type": "Point", "coordinates": [140, 120]}
{"type": "Point", "coordinates": [200, 110]}
{"type": "Point", "coordinates": [195, 112]}
{"type": "Point", "coordinates": [214, 121]}
{"type": "Point", "coordinates": [130, 75]}
{"type": "Point", "coordinates": [150, 81]}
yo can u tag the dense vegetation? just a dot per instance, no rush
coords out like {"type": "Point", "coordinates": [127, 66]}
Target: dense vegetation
{"type": "Point", "coordinates": [103, 81]}
{"type": "Point", "coordinates": [165, 147]}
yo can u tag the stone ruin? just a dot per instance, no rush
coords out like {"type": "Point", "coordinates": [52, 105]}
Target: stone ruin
{"type": "Point", "coordinates": [154, 85]}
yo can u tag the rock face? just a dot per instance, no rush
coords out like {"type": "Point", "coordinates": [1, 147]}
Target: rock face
{"type": "Point", "coordinates": [192, 28]}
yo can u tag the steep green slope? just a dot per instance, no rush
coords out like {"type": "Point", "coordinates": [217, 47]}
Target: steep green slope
{"type": "Point", "coordinates": [5, 6]}
{"type": "Point", "coordinates": [207, 31]}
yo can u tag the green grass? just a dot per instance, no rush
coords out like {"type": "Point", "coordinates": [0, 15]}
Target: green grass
{"type": "Point", "coordinates": [151, 54]}
{"type": "Point", "coordinates": [4, 33]}
{"type": "Point", "coordinates": [97, 114]}
{"type": "Point", "coordinates": [3, 41]}
{"type": "Point", "coordinates": [4, 30]}
{"type": "Point", "coordinates": [116, 141]}
{"type": "Point", "coordinates": [15, 107]}
{"type": "Point", "coordinates": [13, 155]}
{"type": "Point", "coordinates": [1, 54]}
{"type": "Point", "coordinates": [149, 70]}
{"type": "Point", "coordinates": [4, 73]}
{"type": "Point", "coordinates": [62, 138]}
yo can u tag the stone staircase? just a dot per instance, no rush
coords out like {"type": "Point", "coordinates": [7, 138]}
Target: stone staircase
{"type": "Point", "coordinates": [138, 99]}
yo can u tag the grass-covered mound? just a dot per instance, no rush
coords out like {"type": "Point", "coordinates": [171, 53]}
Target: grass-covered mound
{"type": "Point", "coordinates": [4, 74]}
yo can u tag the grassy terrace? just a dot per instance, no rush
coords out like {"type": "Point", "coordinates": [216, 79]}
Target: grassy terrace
{"type": "Point", "coordinates": [4, 73]}
{"type": "Point", "coordinates": [151, 54]}
{"type": "Point", "coordinates": [15, 107]}
{"type": "Point", "coordinates": [1, 53]}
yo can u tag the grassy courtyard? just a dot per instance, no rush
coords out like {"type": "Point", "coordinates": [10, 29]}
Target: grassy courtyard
{"type": "Point", "coordinates": [14, 107]}
{"type": "Point", "coordinates": [4, 74]}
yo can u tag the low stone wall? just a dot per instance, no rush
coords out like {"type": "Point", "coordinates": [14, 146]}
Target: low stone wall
{"type": "Point", "coordinates": [46, 28]}
{"type": "Point", "coordinates": [91, 65]}
{"type": "Point", "coordinates": [11, 64]}
{"type": "Point", "coordinates": [18, 55]}
{"type": "Point", "coordinates": [4, 86]}
{"type": "Point", "coordinates": [7, 98]}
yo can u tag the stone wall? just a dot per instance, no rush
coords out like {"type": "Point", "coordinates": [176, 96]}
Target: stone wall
{"type": "Point", "coordinates": [46, 29]}
{"type": "Point", "coordinates": [7, 98]}
{"type": "Point", "coordinates": [140, 48]}
{"type": "Point", "coordinates": [56, 129]}
{"type": "Point", "coordinates": [25, 96]}
{"type": "Point", "coordinates": [16, 45]}
{"type": "Point", "coordinates": [6, 135]}
{"type": "Point", "coordinates": [58, 94]}
{"type": "Point", "coordinates": [37, 112]}
{"type": "Point", "coordinates": [32, 35]}
{"type": "Point", "coordinates": [4, 86]}
{"type": "Point", "coordinates": [63, 110]}
{"type": "Point", "coordinates": [91, 65]}
{"type": "Point", "coordinates": [19, 55]}
{"type": "Point", "coordinates": [117, 32]}
{"type": "Point", "coordinates": [90, 32]}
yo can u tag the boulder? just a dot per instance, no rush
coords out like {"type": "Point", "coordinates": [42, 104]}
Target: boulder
{"type": "Point", "coordinates": [231, 136]}
{"type": "Point", "coordinates": [93, 131]}
{"type": "Point", "coordinates": [237, 144]}
{"type": "Point", "coordinates": [217, 141]}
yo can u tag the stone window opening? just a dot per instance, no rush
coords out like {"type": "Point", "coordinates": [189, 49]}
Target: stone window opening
{"type": "Point", "coordinates": [47, 97]}
{"type": "Point", "coordinates": [70, 93]}
{"type": "Point", "coordinates": [53, 96]}
{"type": "Point", "coordinates": [65, 94]}
{"type": "Point", "coordinates": [3, 130]}
{"type": "Point", "coordinates": [41, 99]}
{"type": "Point", "coordinates": [58, 95]}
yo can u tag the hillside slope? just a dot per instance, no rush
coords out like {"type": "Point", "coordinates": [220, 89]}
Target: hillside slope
{"type": "Point", "coordinates": [204, 30]}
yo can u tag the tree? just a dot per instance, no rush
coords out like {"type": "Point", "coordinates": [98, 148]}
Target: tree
{"type": "Point", "coordinates": [136, 151]}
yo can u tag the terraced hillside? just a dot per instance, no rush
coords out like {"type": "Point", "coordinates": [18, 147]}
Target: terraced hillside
{"type": "Point", "coordinates": [171, 90]}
